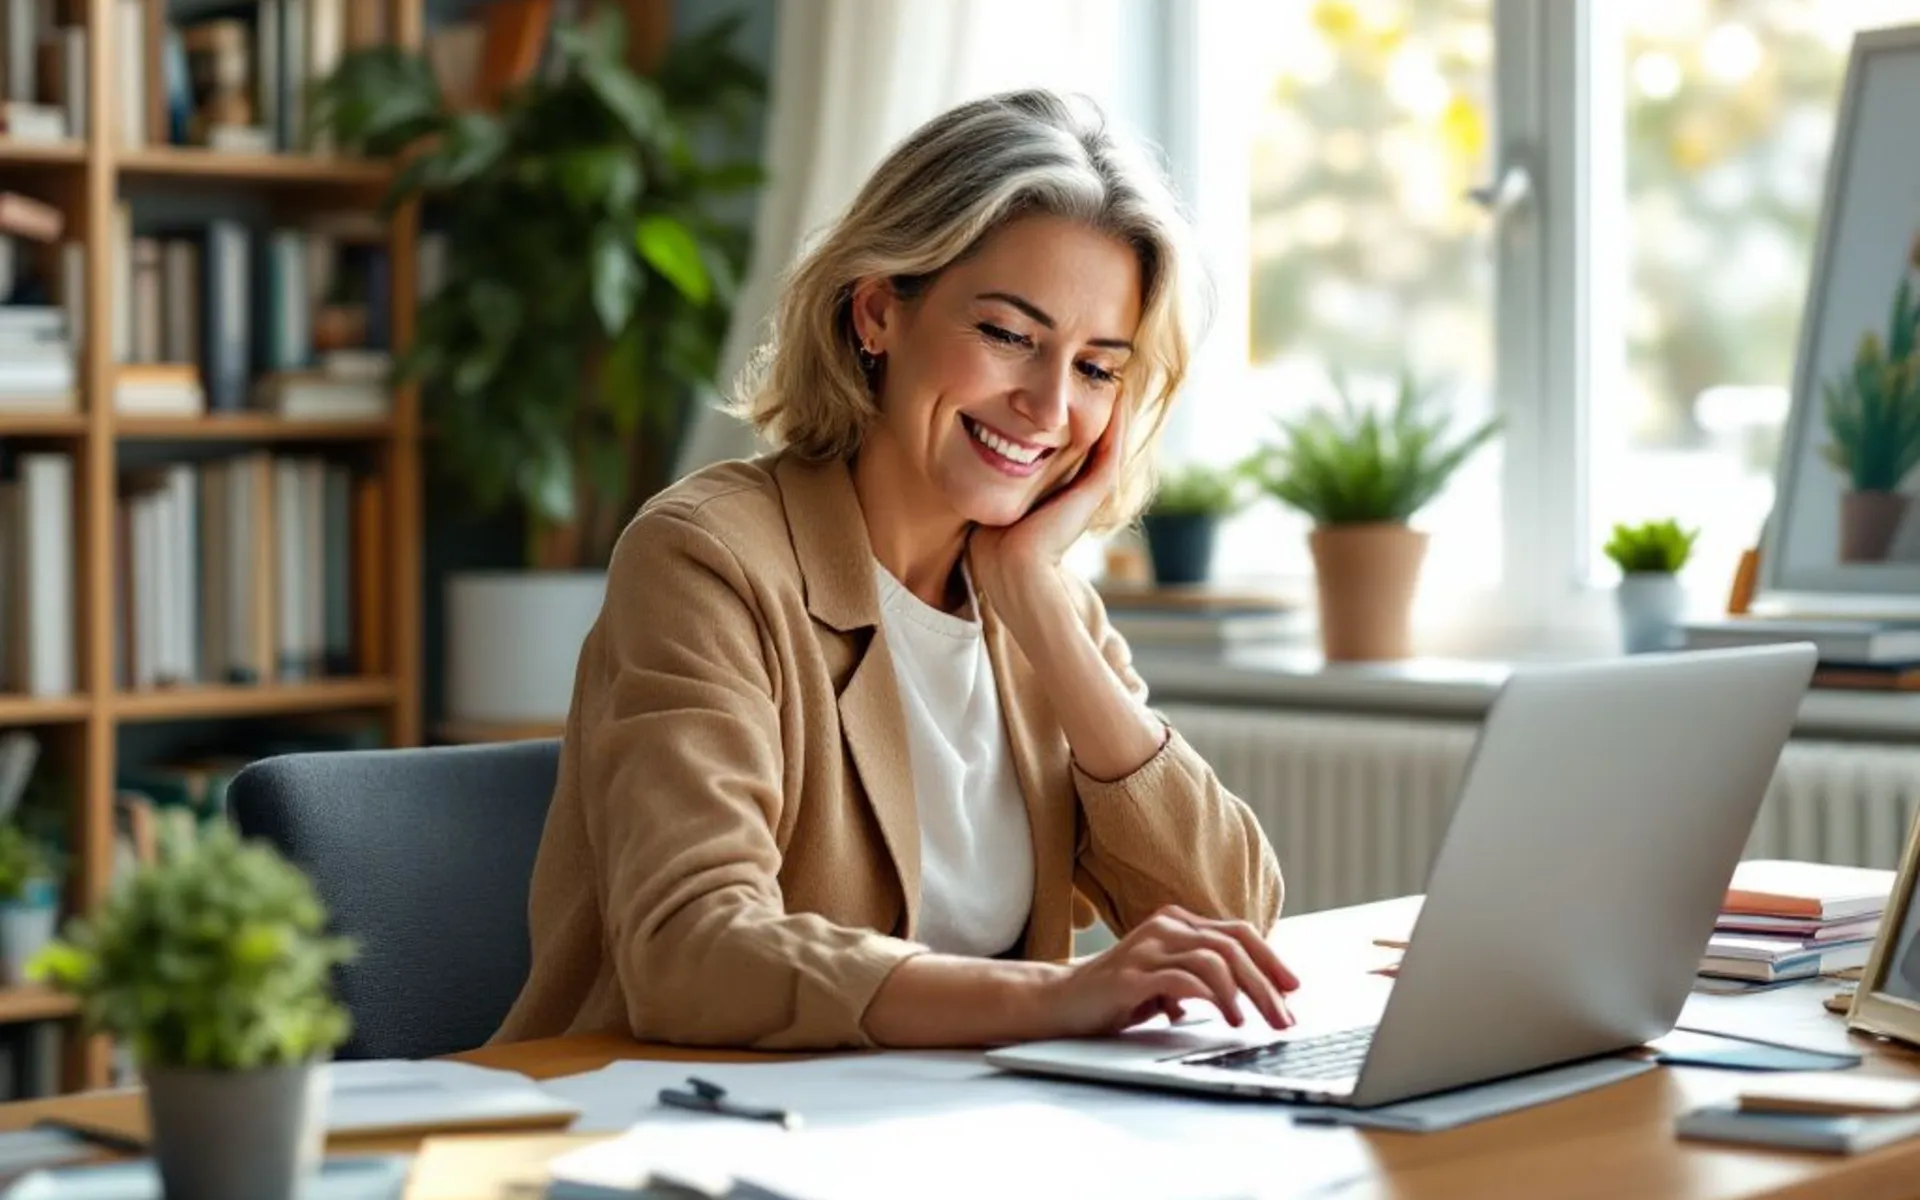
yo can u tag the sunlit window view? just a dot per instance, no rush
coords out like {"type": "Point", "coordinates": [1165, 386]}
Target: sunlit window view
{"type": "Point", "coordinates": [1366, 260]}
{"type": "Point", "coordinates": [1730, 111]}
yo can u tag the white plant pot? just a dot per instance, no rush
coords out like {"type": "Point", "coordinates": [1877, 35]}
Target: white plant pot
{"type": "Point", "coordinates": [513, 640]}
{"type": "Point", "coordinates": [25, 928]}
{"type": "Point", "coordinates": [1651, 605]}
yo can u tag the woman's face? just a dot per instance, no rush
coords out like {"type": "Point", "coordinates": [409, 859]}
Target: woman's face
{"type": "Point", "coordinates": [1001, 376]}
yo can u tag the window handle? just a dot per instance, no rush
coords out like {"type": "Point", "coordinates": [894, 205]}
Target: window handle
{"type": "Point", "coordinates": [1506, 194]}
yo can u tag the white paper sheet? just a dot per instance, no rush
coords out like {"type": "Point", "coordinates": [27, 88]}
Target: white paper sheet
{"type": "Point", "coordinates": [1253, 1144]}
{"type": "Point", "coordinates": [394, 1093]}
{"type": "Point", "coordinates": [1022, 1148]}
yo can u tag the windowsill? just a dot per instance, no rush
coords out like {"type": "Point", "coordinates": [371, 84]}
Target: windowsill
{"type": "Point", "coordinates": [1294, 676]}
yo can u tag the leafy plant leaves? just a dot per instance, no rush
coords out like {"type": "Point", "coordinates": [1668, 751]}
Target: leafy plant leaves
{"type": "Point", "coordinates": [669, 248]}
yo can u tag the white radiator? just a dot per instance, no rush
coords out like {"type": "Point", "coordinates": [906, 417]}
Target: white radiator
{"type": "Point", "coordinates": [1356, 805]}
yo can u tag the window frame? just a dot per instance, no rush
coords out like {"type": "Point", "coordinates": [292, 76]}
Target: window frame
{"type": "Point", "coordinates": [1551, 318]}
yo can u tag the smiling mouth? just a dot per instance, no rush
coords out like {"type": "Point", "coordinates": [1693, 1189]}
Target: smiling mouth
{"type": "Point", "coordinates": [1009, 453]}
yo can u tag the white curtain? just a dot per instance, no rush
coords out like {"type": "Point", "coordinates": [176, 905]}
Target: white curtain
{"type": "Point", "coordinates": [851, 78]}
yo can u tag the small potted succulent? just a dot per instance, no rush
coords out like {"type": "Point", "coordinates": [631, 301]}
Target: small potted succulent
{"type": "Point", "coordinates": [1179, 525]}
{"type": "Point", "coordinates": [1650, 599]}
{"type": "Point", "coordinates": [1361, 476]}
{"type": "Point", "coordinates": [29, 899]}
{"type": "Point", "coordinates": [213, 966]}
{"type": "Point", "coordinates": [1872, 413]}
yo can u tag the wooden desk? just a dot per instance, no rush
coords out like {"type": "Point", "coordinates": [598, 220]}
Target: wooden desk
{"type": "Point", "coordinates": [1615, 1142]}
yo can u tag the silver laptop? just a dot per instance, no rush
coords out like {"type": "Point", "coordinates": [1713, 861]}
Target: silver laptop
{"type": "Point", "coordinates": [1597, 826]}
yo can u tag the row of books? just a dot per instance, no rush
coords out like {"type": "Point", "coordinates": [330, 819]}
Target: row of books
{"type": "Point", "coordinates": [237, 77]}
{"type": "Point", "coordinates": [294, 321]}
{"type": "Point", "coordinates": [254, 569]}
{"type": "Point", "coordinates": [1784, 921]}
{"type": "Point", "coordinates": [1876, 654]}
{"type": "Point", "coordinates": [43, 59]}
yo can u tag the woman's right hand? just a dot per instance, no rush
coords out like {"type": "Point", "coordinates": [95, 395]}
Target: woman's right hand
{"type": "Point", "coordinates": [1173, 956]}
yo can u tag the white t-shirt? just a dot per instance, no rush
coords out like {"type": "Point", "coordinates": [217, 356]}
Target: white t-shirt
{"type": "Point", "coordinates": [976, 850]}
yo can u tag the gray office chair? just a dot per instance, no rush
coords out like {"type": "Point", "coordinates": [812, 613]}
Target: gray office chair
{"type": "Point", "coordinates": [424, 857]}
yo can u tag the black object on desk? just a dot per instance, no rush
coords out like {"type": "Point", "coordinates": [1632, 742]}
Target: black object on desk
{"type": "Point", "coordinates": [712, 1098]}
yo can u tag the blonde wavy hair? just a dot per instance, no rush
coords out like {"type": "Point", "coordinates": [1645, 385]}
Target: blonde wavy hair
{"type": "Point", "coordinates": [946, 187]}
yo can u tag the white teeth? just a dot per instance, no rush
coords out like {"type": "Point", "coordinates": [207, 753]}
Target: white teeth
{"type": "Point", "coordinates": [1000, 445]}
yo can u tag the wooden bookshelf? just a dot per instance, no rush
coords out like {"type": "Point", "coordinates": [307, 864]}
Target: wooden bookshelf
{"type": "Point", "coordinates": [324, 695]}
{"type": "Point", "coordinates": [32, 1002]}
{"type": "Point", "coordinates": [87, 179]}
{"type": "Point", "coordinates": [43, 710]}
{"type": "Point", "coordinates": [18, 153]}
{"type": "Point", "coordinates": [188, 162]}
{"type": "Point", "coordinates": [42, 424]}
{"type": "Point", "coordinates": [249, 427]}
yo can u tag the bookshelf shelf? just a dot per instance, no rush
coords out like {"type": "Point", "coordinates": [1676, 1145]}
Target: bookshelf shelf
{"type": "Point", "coordinates": [42, 710]}
{"type": "Point", "coordinates": [25, 424]}
{"type": "Point", "coordinates": [248, 427]}
{"type": "Point", "coordinates": [327, 695]}
{"type": "Point", "coordinates": [46, 153]}
{"type": "Point", "coordinates": [32, 1002]}
{"type": "Point", "coordinates": [302, 169]}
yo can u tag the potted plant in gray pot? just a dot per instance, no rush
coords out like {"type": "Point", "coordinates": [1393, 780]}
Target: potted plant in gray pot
{"type": "Point", "coordinates": [29, 899]}
{"type": "Point", "coordinates": [1180, 523]}
{"type": "Point", "coordinates": [213, 965]}
{"type": "Point", "coordinates": [592, 263]}
{"type": "Point", "coordinates": [1361, 475]}
{"type": "Point", "coordinates": [1650, 599]}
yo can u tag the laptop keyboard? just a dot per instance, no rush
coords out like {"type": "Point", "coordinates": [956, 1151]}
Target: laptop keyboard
{"type": "Point", "coordinates": [1329, 1056]}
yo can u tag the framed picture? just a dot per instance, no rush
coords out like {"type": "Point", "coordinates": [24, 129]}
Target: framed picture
{"type": "Point", "coordinates": [1887, 1001]}
{"type": "Point", "coordinates": [1844, 537]}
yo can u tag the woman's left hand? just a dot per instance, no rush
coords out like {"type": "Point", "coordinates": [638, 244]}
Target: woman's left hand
{"type": "Point", "coordinates": [1028, 550]}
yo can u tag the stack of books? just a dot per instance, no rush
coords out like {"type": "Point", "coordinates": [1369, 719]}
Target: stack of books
{"type": "Point", "coordinates": [1785, 921]}
{"type": "Point", "coordinates": [1882, 655]}
{"type": "Point", "coordinates": [1199, 617]}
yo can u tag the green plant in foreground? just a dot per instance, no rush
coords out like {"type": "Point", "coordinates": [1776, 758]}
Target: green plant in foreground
{"type": "Point", "coordinates": [214, 956]}
{"type": "Point", "coordinates": [1651, 546]}
{"type": "Point", "coordinates": [23, 859]}
{"type": "Point", "coordinates": [1357, 465]}
{"type": "Point", "coordinates": [1197, 490]}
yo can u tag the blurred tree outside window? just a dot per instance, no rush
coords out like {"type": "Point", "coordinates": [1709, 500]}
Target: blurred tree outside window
{"type": "Point", "coordinates": [1376, 116]}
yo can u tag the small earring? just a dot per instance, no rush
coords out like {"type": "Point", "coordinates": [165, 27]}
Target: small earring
{"type": "Point", "coordinates": [869, 361]}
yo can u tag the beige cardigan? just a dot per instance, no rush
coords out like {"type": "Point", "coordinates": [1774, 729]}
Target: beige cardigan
{"type": "Point", "coordinates": [732, 856]}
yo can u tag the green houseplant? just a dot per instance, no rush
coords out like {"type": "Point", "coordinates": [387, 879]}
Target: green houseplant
{"type": "Point", "coordinates": [29, 898]}
{"type": "Point", "coordinates": [1872, 413]}
{"type": "Point", "coordinates": [1360, 475]}
{"type": "Point", "coordinates": [592, 260]}
{"type": "Point", "coordinates": [214, 966]}
{"type": "Point", "coordinates": [1649, 599]}
{"type": "Point", "coordinates": [1181, 521]}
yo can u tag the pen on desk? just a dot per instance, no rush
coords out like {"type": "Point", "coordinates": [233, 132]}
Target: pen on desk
{"type": "Point", "coordinates": [712, 1098]}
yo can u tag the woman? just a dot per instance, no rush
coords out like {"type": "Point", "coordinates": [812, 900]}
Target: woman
{"type": "Point", "coordinates": [848, 748]}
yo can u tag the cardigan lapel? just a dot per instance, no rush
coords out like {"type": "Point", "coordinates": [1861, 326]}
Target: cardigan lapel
{"type": "Point", "coordinates": [829, 535]}
{"type": "Point", "coordinates": [1041, 762]}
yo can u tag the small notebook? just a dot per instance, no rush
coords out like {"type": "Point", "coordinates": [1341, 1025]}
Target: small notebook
{"type": "Point", "coordinates": [1822, 891]}
{"type": "Point", "coordinates": [1827, 1133]}
{"type": "Point", "coordinates": [357, 1177]}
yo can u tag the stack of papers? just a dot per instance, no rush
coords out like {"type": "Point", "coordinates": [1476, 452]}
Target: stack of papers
{"type": "Point", "coordinates": [1785, 920]}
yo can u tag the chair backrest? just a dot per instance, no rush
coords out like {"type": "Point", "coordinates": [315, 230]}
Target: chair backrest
{"type": "Point", "coordinates": [424, 856]}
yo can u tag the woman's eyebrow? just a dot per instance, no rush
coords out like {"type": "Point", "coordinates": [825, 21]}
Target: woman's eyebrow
{"type": "Point", "coordinates": [1038, 314]}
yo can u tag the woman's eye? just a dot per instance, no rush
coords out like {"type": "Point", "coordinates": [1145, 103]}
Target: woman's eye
{"type": "Point", "coordinates": [1005, 337]}
{"type": "Point", "coordinates": [1097, 373]}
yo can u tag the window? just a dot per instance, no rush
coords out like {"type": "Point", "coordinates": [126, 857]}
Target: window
{"type": "Point", "coordinates": [1727, 111]}
{"type": "Point", "coordinates": [1635, 313]}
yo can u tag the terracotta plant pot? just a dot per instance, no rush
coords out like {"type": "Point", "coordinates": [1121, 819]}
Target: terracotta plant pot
{"type": "Point", "coordinates": [1366, 576]}
{"type": "Point", "coordinates": [1868, 521]}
